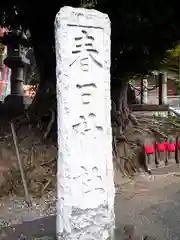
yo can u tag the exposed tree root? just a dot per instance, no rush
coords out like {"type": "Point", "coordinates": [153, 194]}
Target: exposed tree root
{"type": "Point", "coordinates": [142, 129]}
{"type": "Point", "coordinates": [176, 125]}
{"type": "Point", "coordinates": [144, 126]}
{"type": "Point", "coordinates": [50, 124]}
{"type": "Point", "coordinates": [127, 150]}
{"type": "Point", "coordinates": [122, 119]}
{"type": "Point", "coordinates": [133, 119]}
{"type": "Point", "coordinates": [158, 132]}
{"type": "Point", "coordinates": [120, 167]}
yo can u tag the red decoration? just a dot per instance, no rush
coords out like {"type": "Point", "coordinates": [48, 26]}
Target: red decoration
{"type": "Point", "coordinates": [149, 149]}
{"type": "Point", "coordinates": [171, 146]}
{"type": "Point", "coordinates": [161, 146]}
{"type": "Point", "coordinates": [166, 143]}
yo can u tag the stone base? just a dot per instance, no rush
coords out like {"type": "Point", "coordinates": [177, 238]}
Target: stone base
{"type": "Point", "coordinates": [16, 104]}
{"type": "Point", "coordinates": [91, 224]}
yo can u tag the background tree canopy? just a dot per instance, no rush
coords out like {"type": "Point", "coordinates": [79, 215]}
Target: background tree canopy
{"type": "Point", "coordinates": [171, 62]}
{"type": "Point", "coordinates": [142, 31]}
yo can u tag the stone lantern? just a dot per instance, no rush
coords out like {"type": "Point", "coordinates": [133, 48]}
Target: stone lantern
{"type": "Point", "coordinates": [16, 61]}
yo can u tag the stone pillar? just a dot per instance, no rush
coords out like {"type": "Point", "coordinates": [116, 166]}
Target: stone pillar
{"type": "Point", "coordinates": [85, 186]}
{"type": "Point", "coordinates": [16, 61]}
{"type": "Point", "coordinates": [162, 88]}
{"type": "Point", "coordinates": [144, 91]}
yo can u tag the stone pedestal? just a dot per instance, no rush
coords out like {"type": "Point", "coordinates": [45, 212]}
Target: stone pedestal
{"type": "Point", "coordinates": [85, 186]}
{"type": "Point", "coordinates": [15, 60]}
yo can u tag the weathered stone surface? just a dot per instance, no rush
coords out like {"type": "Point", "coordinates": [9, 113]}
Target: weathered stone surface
{"type": "Point", "coordinates": [85, 205]}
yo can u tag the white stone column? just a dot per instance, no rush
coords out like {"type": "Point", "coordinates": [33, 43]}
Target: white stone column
{"type": "Point", "coordinates": [162, 88]}
{"type": "Point", "coordinates": [144, 91]}
{"type": "Point", "coordinates": [85, 186]}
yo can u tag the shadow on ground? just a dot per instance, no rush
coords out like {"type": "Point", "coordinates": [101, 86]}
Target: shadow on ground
{"type": "Point", "coordinates": [44, 228]}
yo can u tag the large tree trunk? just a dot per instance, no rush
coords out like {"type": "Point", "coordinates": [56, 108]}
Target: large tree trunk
{"type": "Point", "coordinates": [43, 42]}
{"type": "Point", "coordinates": [42, 111]}
{"type": "Point", "coordinates": [45, 60]}
{"type": "Point", "coordinates": [121, 116]}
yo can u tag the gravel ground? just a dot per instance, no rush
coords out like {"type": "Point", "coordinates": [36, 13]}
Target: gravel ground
{"type": "Point", "coordinates": [151, 204]}
{"type": "Point", "coordinates": [19, 220]}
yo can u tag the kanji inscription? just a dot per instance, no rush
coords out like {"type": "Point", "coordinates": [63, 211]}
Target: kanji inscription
{"type": "Point", "coordinates": [84, 50]}
{"type": "Point", "coordinates": [85, 187]}
{"type": "Point", "coordinates": [87, 121]}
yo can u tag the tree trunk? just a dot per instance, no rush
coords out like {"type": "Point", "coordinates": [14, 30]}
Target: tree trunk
{"type": "Point", "coordinates": [43, 43]}
{"type": "Point", "coordinates": [45, 60]}
{"type": "Point", "coordinates": [121, 114]}
{"type": "Point", "coordinates": [42, 111]}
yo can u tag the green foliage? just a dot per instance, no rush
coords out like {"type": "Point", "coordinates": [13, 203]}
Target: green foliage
{"type": "Point", "coordinates": [140, 34]}
{"type": "Point", "coordinates": [171, 62]}
{"type": "Point", "coordinates": [88, 3]}
{"type": "Point", "coordinates": [132, 81]}
{"type": "Point", "coordinates": [174, 52]}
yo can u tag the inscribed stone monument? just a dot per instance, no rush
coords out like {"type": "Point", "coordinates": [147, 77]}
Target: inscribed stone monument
{"type": "Point", "coordinates": [85, 207]}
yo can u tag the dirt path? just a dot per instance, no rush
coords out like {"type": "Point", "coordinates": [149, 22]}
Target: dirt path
{"type": "Point", "coordinates": [18, 220]}
{"type": "Point", "coordinates": [152, 205]}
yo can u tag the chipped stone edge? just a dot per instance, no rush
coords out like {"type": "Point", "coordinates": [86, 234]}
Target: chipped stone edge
{"type": "Point", "coordinates": [102, 21]}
